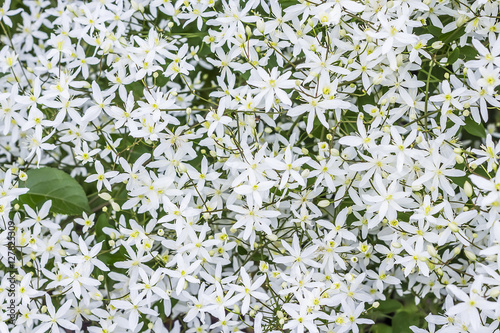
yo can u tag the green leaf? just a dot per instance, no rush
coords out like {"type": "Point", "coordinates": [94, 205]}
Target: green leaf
{"type": "Point", "coordinates": [102, 222]}
{"type": "Point", "coordinates": [474, 128]}
{"type": "Point", "coordinates": [241, 250]}
{"type": "Point", "coordinates": [435, 31]}
{"type": "Point", "coordinates": [381, 328]}
{"type": "Point", "coordinates": [468, 52]}
{"type": "Point", "coordinates": [402, 321]}
{"type": "Point", "coordinates": [389, 306]}
{"type": "Point", "coordinates": [452, 35]}
{"type": "Point", "coordinates": [454, 56]}
{"type": "Point", "coordinates": [67, 196]}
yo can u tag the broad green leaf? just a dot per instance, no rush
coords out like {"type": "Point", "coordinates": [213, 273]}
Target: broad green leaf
{"type": "Point", "coordinates": [452, 35]}
{"type": "Point", "coordinates": [468, 52]}
{"type": "Point", "coordinates": [389, 306]}
{"type": "Point", "coordinates": [460, 181]}
{"type": "Point", "coordinates": [454, 56]}
{"type": "Point", "coordinates": [402, 321]}
{"type": "Point", "coordinates": [381, 328]}
{"type": "Point", "coordinates": [67, 196]}
{"type": "Point", "coordinates": [102, 222]}
{"type": "Point", "coordinates": [241, 250]}
{"type": "Point", "coordinates": [435, 31]}
{"type": "Point", "coordinates": [474, 128]}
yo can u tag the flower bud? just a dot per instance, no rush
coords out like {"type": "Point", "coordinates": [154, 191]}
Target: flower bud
{"type": "Point", "coordinates": [494, 292]}
{"type": "Point", "coordinates": [470, 255]}
{"type": "Point", "coordinates": [437, 45]}
{"type": "Point", "coordinates": [376, 305]}
{"type": "Point", "coordinates": [272, 237]}
{"type": "Point", "coordinates": [305, 173]}
{"type": "Point", "coordinates": [396, 245]}
{"type": "Point", "coordinates": [468, 189]}
{"type": "Point", "coordinates": [182, 168]}
{"type": "Point", "coordinates": [432, 250]}
{"type": "Point", "coordinates": [459, 159]}
{"type": "Point", "coordinates": [324, 203]}
{"type": "Point", "coordinates": [115, 206]}
{"type": "Point", "coordinates": [248, 31]}
{"type": "Point", "coordinates": [417, 187]}
{"type": "Point", "coordinates": [105, 196]}
{"type": "Point", "coordinates": [261, 25]}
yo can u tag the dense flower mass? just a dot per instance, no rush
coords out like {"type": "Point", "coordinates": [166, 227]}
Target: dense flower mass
{"type": "Point", "coordinates": [249, 166]}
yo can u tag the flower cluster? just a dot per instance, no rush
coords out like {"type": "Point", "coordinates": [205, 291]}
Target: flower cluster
{"type": "Point", "coordinates": [249, 166]}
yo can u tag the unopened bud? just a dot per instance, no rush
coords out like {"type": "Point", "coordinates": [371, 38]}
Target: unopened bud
{"type": "Point", "coordinates": [494, 292]}
{"type": "Point", "coordinates": [431, 250]}
{"type": "Point", "coordinates": [105, 196]}
{"type": "Point", "coordinates": [324, 203]}
{"type": "Point", "coordinates": [437, 45]}
{"type": "Point", "coordinates": [470, 255]}
{"type": "Point", "coordinates": [272, 237]}
{"type": "Point", "coordinates": [417, 187]}
{"type": "Point", "coordinates": [468, 189]}
{"type": "Point", "coordinates": [261, 25]}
